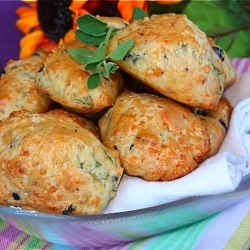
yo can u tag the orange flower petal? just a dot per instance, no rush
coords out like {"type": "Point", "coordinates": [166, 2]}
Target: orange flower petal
{"type": "Point", "coordinates": [30, 43]}
{"type": "Point", "coordinates": [77, 5]}
{"type": "Point", "coordinates": [126, 8]}
{"type": "Point", "coordinates": [70, 35]}
{"type": "Point", "coordinates": [169, 2]}
{"type": "Point", "coordinates": [24, 10]}
{"type": "Point", "coordinates": [27, 23]}
{"type": "Point", "coordinates": [32, 3]}
{"type": "Point", "coordinates": [48, 45]}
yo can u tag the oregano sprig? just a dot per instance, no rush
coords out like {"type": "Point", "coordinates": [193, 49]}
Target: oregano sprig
{"type": "Point", "coordinates": [95, 32]}
{"type": "Point", "coordinates": [138, 14]}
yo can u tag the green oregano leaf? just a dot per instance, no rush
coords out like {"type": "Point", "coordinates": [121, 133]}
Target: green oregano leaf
{"type": "Point", "coordinates": [91, 66]}
{"type": "Point", "coordinates": [138, 14]}
{"type": "Point", "coordinates": [89, 39]}
{"type": "Point", "coordinates": [99, 55]}
{"type": "Point", "coordinates": [81, 55]}
{"type": "Point", "coordinates": [93, 80]}
{"type": "Point", "coordinates": [98, 69]}
{"type": "Point", "coordinates": [121, 50]}
{"type": "Point", "coordinates": [97, 33]}
{"type": "Point", "coordinates": [109, 67]}
{"type": "Point", "coordinates": [112, 67]}
{"type": "Point", "coordinates": [90, 24]}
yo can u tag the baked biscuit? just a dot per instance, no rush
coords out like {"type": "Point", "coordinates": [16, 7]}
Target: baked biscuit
{"type": "Point", "coordinates": [18, 86]}
{"type": "Point", "coordinates": [49, 163]}
{"type": "Point", "coordinates": [216, 124]}
{"type": "Point", "coordinates": [65, 81]}
{"type": "Point", "coordinates": [173, 56]}
{"type": "Point", "coordinates": [113, 22]}
{"type": "Point", "coordinates": [80, 119]}
{"type": "Point", "coordinates": [157, 138]}
{"type": "Point", "coordinates": [227, 66]}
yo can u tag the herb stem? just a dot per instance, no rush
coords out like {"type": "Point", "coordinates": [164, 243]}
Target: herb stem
{"type": "Point", "coordinates": [110, 30]}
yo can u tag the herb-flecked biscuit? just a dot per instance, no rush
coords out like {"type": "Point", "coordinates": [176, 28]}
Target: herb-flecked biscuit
{"type": "Point", "coordinates": [216, 124]}
{"type": "Point", "coordinates": [18, 86]}
{"type": "Point", "coordinates": [173, 56]}
{"type": "Point", "coordinates": [157, 138]}
{"type": "Point", "coordinates": [80, 119]}
{"type": "Point", "coordinates": [113, 22]}
{"type": "Point", "coordinates": [65, 80]}
{"type": "Point", "coordinates": [227, 66]}
{"type": "Point", "coordinates": [50, 163]}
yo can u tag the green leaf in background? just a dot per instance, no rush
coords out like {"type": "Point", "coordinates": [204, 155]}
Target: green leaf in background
{"type": "Point", "coordinates": [227, 22]}
{"type": "Point", "coordinates": [155, 7]}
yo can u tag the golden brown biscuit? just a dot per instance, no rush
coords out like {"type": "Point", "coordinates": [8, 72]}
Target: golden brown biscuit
{"type": "Point", "coordinates": [173, 56]}
{"type": "Point", "coordinates": [18, 86]}
{"type": "Point", "coordinates": [80, 119]}
{"type": "Point", "coordinates": [113, 22]}
{"type": "Point", "coordinates": [65, 80]}
{"type": "Point", "coordinates": [227, 66]}
{"type": "Point", "coordinates": [216, 124]}
{"type": "Point", "coordinates": [157, 138]}
{"type": "Point", "coordinates": [51, 164]}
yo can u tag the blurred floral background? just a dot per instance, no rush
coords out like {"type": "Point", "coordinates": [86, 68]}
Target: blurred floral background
{"type": "Point", "coordinates": [47, 23]}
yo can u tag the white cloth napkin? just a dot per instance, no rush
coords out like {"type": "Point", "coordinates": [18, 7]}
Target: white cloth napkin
{"type": "Point", "coordinates": [219, 174]}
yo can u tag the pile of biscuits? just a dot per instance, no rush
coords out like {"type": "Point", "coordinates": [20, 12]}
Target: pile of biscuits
{"type": "Point", "coordinates": [51, 158]}
{"type": "Point", "coordinates": [64, 147]}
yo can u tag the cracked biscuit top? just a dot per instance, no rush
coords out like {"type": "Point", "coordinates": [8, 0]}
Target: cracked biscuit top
{"type": "Point", "coordinates": [173, 56]}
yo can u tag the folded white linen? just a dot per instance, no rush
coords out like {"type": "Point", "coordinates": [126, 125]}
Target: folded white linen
{"type": "Point", "coordinates": [221, 173]}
